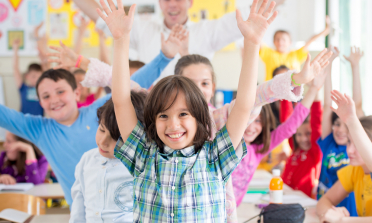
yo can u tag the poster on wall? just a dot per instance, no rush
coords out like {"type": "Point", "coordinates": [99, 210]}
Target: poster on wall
{"type": "Point", "coordinates": [18, 19]}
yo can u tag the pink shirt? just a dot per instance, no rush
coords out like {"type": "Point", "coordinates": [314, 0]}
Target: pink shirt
{"type": "Point", "coordinates": [243, 173]}
{"type": "Point", "coordinates": [90, 99]}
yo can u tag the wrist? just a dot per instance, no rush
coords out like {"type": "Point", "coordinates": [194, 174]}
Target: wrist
{"type": "Point", "coordinates": [296, 82]}
{"type": "Point", "coordinates": [250, 43]}
{"type": "Point", "coordinates": [350, 121]}
{"type": "Point", "coordinates": [122, 39]}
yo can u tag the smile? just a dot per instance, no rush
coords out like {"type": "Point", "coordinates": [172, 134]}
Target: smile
{"type": "Point", "coordinates": [176, 136]}
{"type": "Point", "coordinates": [57, 108]}
{"type": "Point", "coordinates": [173, 13]}
{"type": "Point", "coordinates": [102, 151]}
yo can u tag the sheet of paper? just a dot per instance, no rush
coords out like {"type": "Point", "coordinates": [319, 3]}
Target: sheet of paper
{"type": "Point", "coordinates": [17, 187]}
{"type": "Point", "coordinates": [14, 215]}
{"type": "Point", "coordinates": [252, 198]}
{"type": "Point", "coordinates": [260, 183]}
{"type": "Point", "coordinates": [292, 198]}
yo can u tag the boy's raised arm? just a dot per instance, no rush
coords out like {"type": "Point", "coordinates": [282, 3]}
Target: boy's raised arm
{"type": "Point", "coordinates": [120, 25]}
{"type": "Point", "coordinates": [253, 30]}
{"type": "Point", "coordinates": [17, 74]}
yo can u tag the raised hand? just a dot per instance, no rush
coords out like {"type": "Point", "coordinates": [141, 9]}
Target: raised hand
{"type": "Point", "coordinates": [66, 58]}
{"type": "Point", "coordinates": [83, 25]}
{"type": "Point", "coordinates": [255, 27]}
{"type": "Point", "coordinates": [355, 55]}
{"type": "Point", "coordinates": [36, 30]}
{"type": "Point", "coordinates": [117, 21]}
{"type": "Point", "coordinates": [335, 54]}
{"type": "Point", "coordinates": [172, 45]}
{"type": "Point", "coordinates": [345, 106]}
{"type": "Point", "coordinates": [184, 37]}
{"type": "Point", "coordinates": [314, 68]}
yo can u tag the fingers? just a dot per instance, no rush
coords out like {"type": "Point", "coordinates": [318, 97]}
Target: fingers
{"type": "Point", "coordinates": [56, 48]}
{"type": "Point", "coordinates": [320, 55]}
{"type": "Point", "coordinates": [272, 18]}
{"type": "Point", "coordinates": [100, 13]}
{"type": "Point", "coordinates": [263, 7]}
{"type": "Point", "coordinates": [325, 59]}
{"type": "Point", "coordinates": [53, 54]}
{"type": "Point", "coordinates": [104, 7]}
{"type": "Point", "coordinates": [345, 212]}
{"type": "Point", "coordinates": [112, 5]}
{"type": "Point", "coordinates": [132, 10]}
{"type": "Point", "coordinates": [269, 10]}
{"type": "Point", "coordinates": [254, 6]}
{"type": "Point", "coordinates": [120, 5]}
{"type": "Point", "coordinates": [239, 17]}
{"type": "Point", "coordinates": [308, 59]}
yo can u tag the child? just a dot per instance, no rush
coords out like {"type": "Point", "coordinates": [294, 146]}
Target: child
{"type": "Point", "coordinates": [355, 177]}
{"type": "Point", "coordinates": [29, 100]}
{"type": "Point", "coordinates": [177, 127]}
{"type": "Point", "coordinates": [282, 55]}
{"type": "Point", "coordinates": [21, 162]}
{"type": "Point", "coordinates": [99, 171]}
{"type": "Point", "coordinates": [86, 98]}
{"type": "Point", "coordinates": [334, 137]}
{"type": "Point", "coordinates": [302, 168]}
{"type": "Point", "coordinates": [135, 65]}
{"type": "Point", "coordinates": [261, 136]}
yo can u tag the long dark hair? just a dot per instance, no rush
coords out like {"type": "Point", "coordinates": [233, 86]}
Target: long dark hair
{"type": "Point", "coordinates": [20, 162]}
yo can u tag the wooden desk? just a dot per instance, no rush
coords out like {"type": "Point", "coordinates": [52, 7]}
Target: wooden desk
{"type": "Point", "coordinates": [45, 191]}
{"type": "Point", "coordinates": [248, 210]}
{"type": "Point", "coordinates": [48, 218]}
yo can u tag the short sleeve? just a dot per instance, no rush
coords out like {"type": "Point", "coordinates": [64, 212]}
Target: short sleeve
{"type": "Point", "coordinates": [324, 143]}
{"type": "Point", "coordinates": [135, 151]}
{"type": "Point", "coordinates": [345, 177]}
{"type": "Point", "coordinates": [223, 154]}
{"type": "Point", "coordinates": [301, 54]}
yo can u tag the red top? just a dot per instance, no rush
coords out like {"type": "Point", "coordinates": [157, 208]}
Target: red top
{"type": "Point", "coordinates": [90, 99]}
{"type": "Point", "coordinates": [303, 167]}
{"type": "Point", "coordinates": [286, 110]}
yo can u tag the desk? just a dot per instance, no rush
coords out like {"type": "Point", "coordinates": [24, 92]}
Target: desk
{"type": "Point", "coordinates": [55, 218]}
{"type": "Point", "coordinates": [45, 191]}
{"type": "Point", "coordinates": [248, 210]}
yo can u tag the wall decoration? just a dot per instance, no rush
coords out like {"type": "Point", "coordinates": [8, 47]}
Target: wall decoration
{"type": "Point", "coordinates": [4, 11]}
{"type": "Point", "coordinates": [15, 4]}
{"type": "Point", "coordinates": [56, 4]}
{"type": "Point", "coordinates": [14, 35]}
{"type": "Point", "coordinates": [36, 11]}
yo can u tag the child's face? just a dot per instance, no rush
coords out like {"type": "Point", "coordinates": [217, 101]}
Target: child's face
{"type": "Point", "coordinates": [106, 144]}
{"type": "Point", "coordinates": [9, 140]}
{"type": "Point", "coordinates": [201, 75]}
{"type": "Point", "coordinates": [253, 130]}
{"type": "Point", "coordinates": [282, 42]}
{"type": "Point", "coordinates": [176, 127]}
{"type": "Point", "coordinates": [303, 136]}
{"type": "Point", "coordinates": [32, 77]}
{"type": "Point", "coordinates": [58, 100]}
{"type": "Point", "coordinates": [340, 132]}
{"type": "Point", "coordinates": [84, 92]}
{"type": "Point", "coordinates": [352, 152]}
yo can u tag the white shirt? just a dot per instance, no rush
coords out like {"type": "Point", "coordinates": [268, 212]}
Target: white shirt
{"type": "Point", "coordinates": [103, 190]}
{"type": "Point", "coordinates": [205, 38]}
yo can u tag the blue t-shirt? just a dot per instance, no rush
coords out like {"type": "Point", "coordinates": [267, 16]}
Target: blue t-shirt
{"type": "Point", "coordinates": [62, 145]}
{"type": "Point", "coordinates": [334, 158]}
{"type": "Point", "coordinates": [29, 101]}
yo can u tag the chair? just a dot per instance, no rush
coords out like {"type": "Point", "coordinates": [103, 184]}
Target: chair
{"type": "Point", "coordinates": [22, 202]}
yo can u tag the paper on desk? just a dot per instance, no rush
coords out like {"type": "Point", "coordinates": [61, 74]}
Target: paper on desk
{"type": "Point", "coordinates": [17, 187]}
{"type": "Point", "coordinates": [292, 198]}
{"type": "Point", "coordinates": [260, 183]}
{"type": "Point", "coordinates": [13, 215]}
{"type": "Point", "coordinates": [252, 198]}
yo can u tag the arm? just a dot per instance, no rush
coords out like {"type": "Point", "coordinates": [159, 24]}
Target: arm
{"type": "Point", "coordinates": [253, 30]}
{"type": "Point", "coordinates": [88, 7]}
{"type": "Point", "coordinates": [325, 32]}
{"type": "Point", "coordinates": [42, 47]}
{"type": "Point", "coordinates": [79, 39]}
{"type": "Point", "coordinates": [325, 207]}
{"type": "Point", "coordinates": [98, 93]}
{"type": "Point", "coordinates": [354, 58]}
{"type": "Point", "coordinates": [16, 72]}
{"type": "Point", "coordinates": [347, 113]}
{"type": "Point", "coordinates": [77, 194]}
{"type": "Point", "coordinates": [103, 50]}
{"type": "Point", "coordinates": [37, 171]}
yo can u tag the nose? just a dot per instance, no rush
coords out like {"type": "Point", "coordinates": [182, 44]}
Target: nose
{"type": "Point", "coordinates": [104, 141]}
{"type": "Point", "coordinates": [53, 98]}
{"type": "Point", "coordinates": [173, 123]}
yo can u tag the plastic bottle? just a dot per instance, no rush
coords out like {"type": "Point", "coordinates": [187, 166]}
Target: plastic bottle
{"type": "Point", "coordinates": [276, 188]}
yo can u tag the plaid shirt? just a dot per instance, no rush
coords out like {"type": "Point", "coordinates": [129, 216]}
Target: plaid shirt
{"type": "Point", "coordinates": [179, 186]}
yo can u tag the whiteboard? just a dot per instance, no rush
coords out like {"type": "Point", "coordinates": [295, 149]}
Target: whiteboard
{"type": "Point", "coordinates": [2, 102]}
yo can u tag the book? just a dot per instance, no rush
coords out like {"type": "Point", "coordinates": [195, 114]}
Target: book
{"type": "Point", "coordinates": [16, 187]}
{"type": "Point", "coordinates": [12, 215]}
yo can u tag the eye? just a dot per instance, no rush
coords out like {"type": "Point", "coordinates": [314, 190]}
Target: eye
{"type": "Point", "coordinates": [183, 114]}
{"type": "Point", "coordinates": [205, 84]}
{"type": "Point", "coordinates": [46, 97]}
{"type": "Point", "coordinates": [60, 92]}
{"type": "Point", "coordinates": [101, 129]}
{"type": "Point", "coordinates": [163, 116]}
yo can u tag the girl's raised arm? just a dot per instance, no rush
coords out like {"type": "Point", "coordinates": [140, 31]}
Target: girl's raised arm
{"type": "Point", "coordinates": [120, 25]}
{"type": "Point", "coordinates": [253, 30]}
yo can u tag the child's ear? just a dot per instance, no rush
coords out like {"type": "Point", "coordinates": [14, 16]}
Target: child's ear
{"type": "Point", "coordinates": [191, 3]}
{"type": "Point", "coordinates": [77, 94]}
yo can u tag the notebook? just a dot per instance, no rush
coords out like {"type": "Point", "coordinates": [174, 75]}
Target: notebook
{"type": "Point", "coordinates": [13, 215]}
{"type": "Point", "coordinates": [16, 187]}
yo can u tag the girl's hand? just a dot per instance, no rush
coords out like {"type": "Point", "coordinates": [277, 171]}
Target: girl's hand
{"type": "Point", "coordinates": [171, 46]}
{"type": "Point", "coordinates": [355, 55]}
{"type": "Point", "coordinates": [335, 54]}
{"type": "Point", "coordinates": [83, 25]}
{"type": "Point", "coordinates": [335, 214]}
{"type": "Point", "coordinates": [312, 69]}
{"type": "Point", "coordinates": [255, 27]}
{"type": "Point", "coordinates": [184, 37]}
{"type": "Point", "coordinates": [66, 58]}
{"type": "Point", "coordinates": [16, 43]}
{"type": "Point", "coordinates": [36, 30]}
{"type": "Point", "coordinates": [346, 106]}
{"type": "Point", "coordinates": [100, 33]}
{"type": "Point", "coordinates": [116, 20]}
{"type": "Point", "coordinates": [21, 147]}
{"type": "Point", "coordinates": [7, 179]}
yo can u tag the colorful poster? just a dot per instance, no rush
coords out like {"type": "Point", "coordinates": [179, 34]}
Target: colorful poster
{"type": "Point", "coordinates": [36, 12]}
{"type": "Point", "coordinates": [16, 35]}
{"type": "Point", "coordinates": [4, 11]}
{"type": "Point", "coordinates": [58, 25]}
{"type": "Point", "coordinates": [15, 4]}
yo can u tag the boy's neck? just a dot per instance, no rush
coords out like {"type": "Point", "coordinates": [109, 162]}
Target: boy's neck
{"type": "Point", "coordinates": [283, 52]}
{"type": "Point", "coordinates": [71, 119]}
{"type": "Point", "coordinates": [365, 169]}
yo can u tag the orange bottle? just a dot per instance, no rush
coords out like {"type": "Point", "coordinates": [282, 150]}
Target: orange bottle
{"type": "Point", "coordinates": [276, 188]}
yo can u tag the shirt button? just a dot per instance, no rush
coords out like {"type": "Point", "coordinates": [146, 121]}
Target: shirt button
{"type": "Point", "coordinates": [173, 188]}
{"type": "Point", "coordinates": [176, 161]}
{"type": "Point", "coordinates": [100, 191]}
{"type": "Point", "coordinates": [97, 213]}
{"type": "Point", "coordinates": [172, 215]}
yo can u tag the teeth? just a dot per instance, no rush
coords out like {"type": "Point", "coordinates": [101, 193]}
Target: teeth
{"type": "Point", "coordinates": [176, 136]}
{"type": "Point", "coordinates": [57, 107]}
{"type": "Point", "coordinates": [173, 13]}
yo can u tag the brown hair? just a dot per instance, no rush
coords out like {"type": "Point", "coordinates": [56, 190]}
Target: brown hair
{"type": "Point", "coordinates": [136, 64]}
{"type": "Point", "coordinates": [282, 31]}
{"type": "Point", "coordinates": [367, 125]}
{"type": "Point", "coordinates": [56, 75]}
{"type": "Point", "coordinates": [106, 113]}
{"type": "Point", "coordinates": [158, 101]}
{"type": "Point", "coordinates": [268, 124]}
{"type": "Point", "coordinates": [79, 71]}
{"type": "Point", "coordinates": [188, 60]}
{"type": "Point", "coordinates": [21, 160]}
{"type": "Point", "coordinates": [282, 67]}
{"type": "Point", "coordinates": [34, 67]}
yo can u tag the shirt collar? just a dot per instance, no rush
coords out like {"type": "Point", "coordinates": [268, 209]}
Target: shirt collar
{"type": "Point", "coordinates": [186, 26]}
{"type": "Point", "coordinates": [187, 152]}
